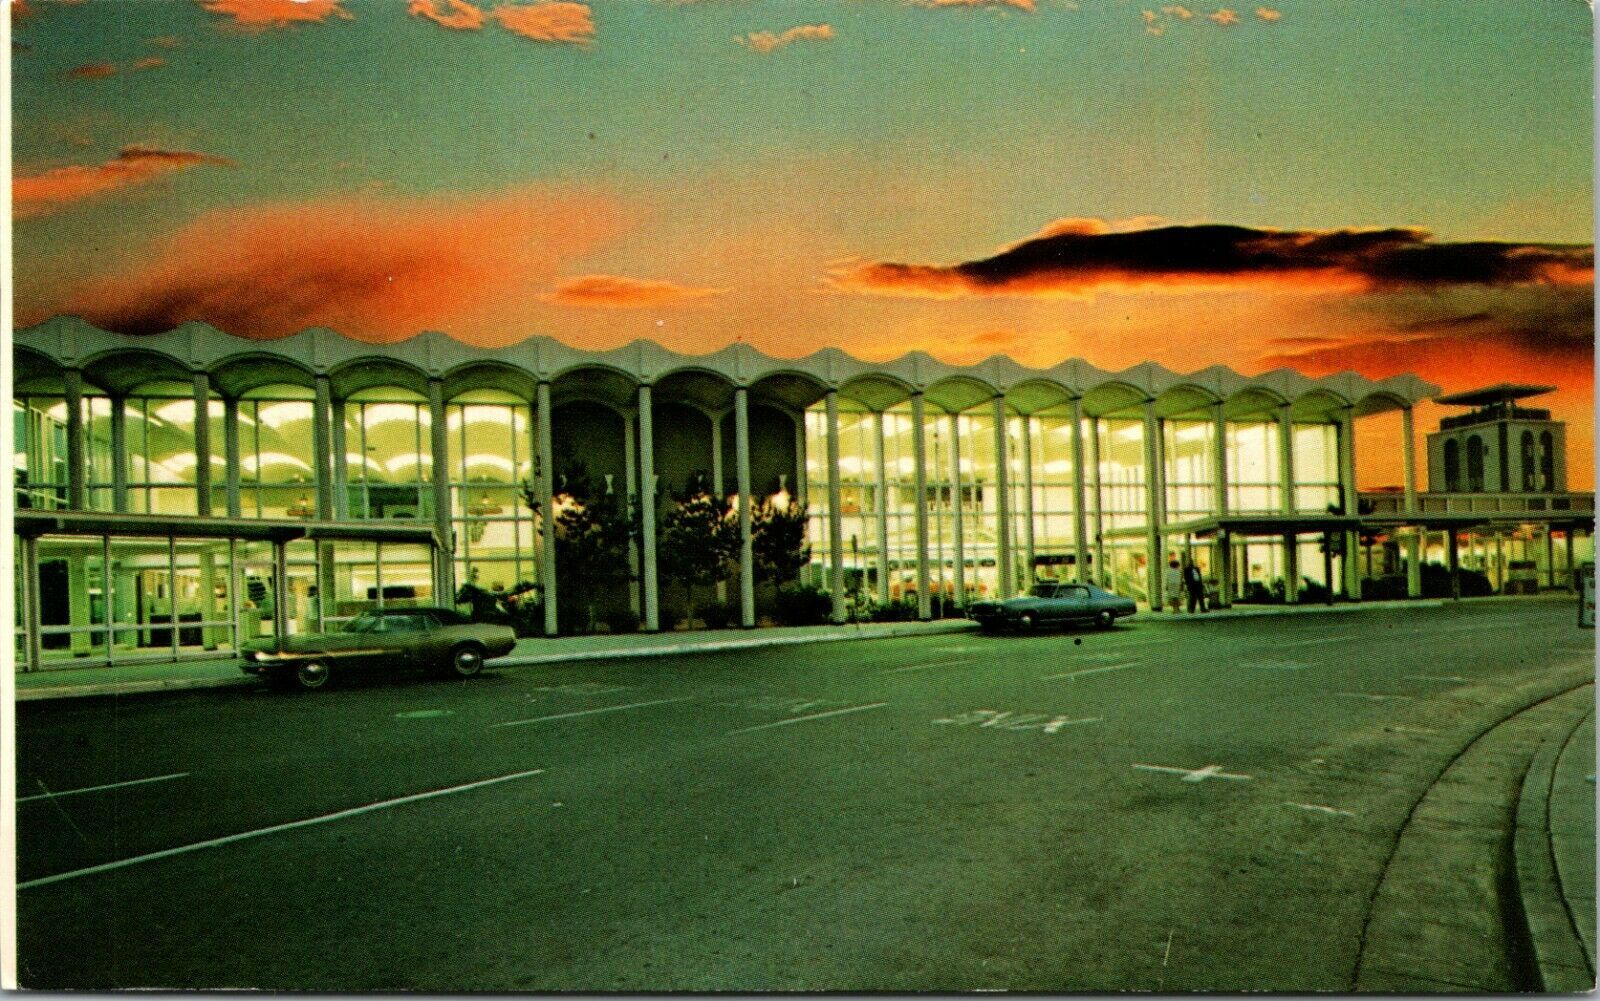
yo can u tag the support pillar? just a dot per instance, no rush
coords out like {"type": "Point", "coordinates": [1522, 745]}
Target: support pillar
{"type": "Point", "coordinates": [341, 463]}
{"type": "Point", "coordinates": [1028, 550]}
{"type": "Point", "coordinates": [29, 599]}
{"type": "Point", "coordinates": [1219, 460]}
{"type": "Point", "coordinates": [119, 455]}
{"type": "Point", "coordinates": [1002, 476]}
{"type": "Point", "coordinates": [1550, 556]}
{"type": "Point", "coordinates": [1408, 436]}
{"type": "Point", "coordinates": [1414, 564]}
{"type": "Point", "coordinates": [881, 508]}
{"type": "Point", "coordinates": [321, 447]}
{"type": "Point", "coordinates": [1499, 563]}
{"type": "Point", "coordinates": [1286, 460]}
{"type": "Point", "coordinates": [721, 586]}
{"type": "Point", "coordinates": [835, 516]}
{"type": "Point", "coordinates": [1155, 565]}
{"type": "Point", "coordinates": [1224, 570]}
{"type": "Point", "coordinates": [1080, 521]}
{"type": "Point", "coordinates": [545, 464]}
{"type": "Point", "coordinates": [1291, 569]}
{"type": "Point", "coordinates": [647, 509]}
{"type": "Point", "coordinates": [1572, 573]}
{"type": "Point", "coordinates": [958, 533]}
{"type": "Point", "coordinates": [439, 444]}
{"type": "Point", "coordinates": [1454, 548]}
{"type": "Point", "coordinates": [230, 454]}
{"type": "Point", "coordinates": [72, 391]}
{"type": "Point", "coordinates": [741, 462]}
{"type": "Point", "coordinates": [920, 480]}
{"type": "Point", "coordinates": [202, 444]}
{"type": "Point", "coordinates": [631, 482]}
{"type": "Point", "coordinates": [1104, 571]}
{"type": "Point", "coordinates": [1350, 565]}
{"type": "Point", "coordinates": [280, 592]}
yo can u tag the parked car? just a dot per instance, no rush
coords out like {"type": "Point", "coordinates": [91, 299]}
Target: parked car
{"type": "Point", "coordinates": [439, 639]}
{"type": "Point", "coordinates": [1053, 605]}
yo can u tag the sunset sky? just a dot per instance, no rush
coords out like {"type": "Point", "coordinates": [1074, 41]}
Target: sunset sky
{"type": "Point", "coordinates": [1376, 185]}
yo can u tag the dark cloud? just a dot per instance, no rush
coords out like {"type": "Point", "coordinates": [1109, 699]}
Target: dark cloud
{"type": "Point", "coordinates": [1210, 257]}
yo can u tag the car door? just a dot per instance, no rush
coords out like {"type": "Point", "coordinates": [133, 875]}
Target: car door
{"type": "Point", "coordinates": [1075, 602]}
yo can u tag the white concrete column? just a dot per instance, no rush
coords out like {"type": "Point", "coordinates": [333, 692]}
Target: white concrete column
{"type": "Point", "coordinates": [341, 462]}
{"type": "Point", "coordinates": [29, 599]}
{"type": "Point", "coordinates": [1156, 585]}
{"type": "Point", "coordinates": [802, 482]}
{"type": "Point", "coordinates": [280, 592]}
{"type": "Point", "coordinates": [1291, 569]}
{"type": "Point", "coordinates": [1080, 520]}
{"type": "Point", "coordinates": [1102, 572]}
{"type": "Point", "coordinates": [835, 516]}
{"type": "Point", "coordinates": [321, 446]}
{"type": "Point", "coordinates": [1408, 436]}
{"type": "Point", "coordinates": [1002, 480]}
{"type": "Point", "coordinates": [1219, 459]}
{"type": "Point", "coordinates": [881, 508]}
{"type": "Point", "coordinates": [1027, 501]}
{"type": "Point", "coordinates": [741, 461]}
{"type": "Point", "coordinates": [1286, 460]}
{"type": "Point", "coordinates": [202, 444]}
{"type": "Point", "coordinates": [647, 510]}
{"type": "Point", "coordinates": [439, 445]}
{"type": "Point", "coordinates": [119, 455]}
{"type": "Point", "coordinates": [631, 481]}
{"type": "Point", "coordinates": [1224, 569]}
{"type": "Point", "coordinates": [546, 463]}
{"type": "Point", "coordinates": [1350, 564]}
{"type": "Point", "coordinates": [919, 457]}
{"type": "Point", "coordinates": [72, 391]}
{"type": "Point", "coordinates": [1413, 542]}
{"type": "Point", "coordinates": [230, 456]}
{"type": "Point", "coordinates": [958, 533]}
{"type": "Point", "coordinates": [717, 491]}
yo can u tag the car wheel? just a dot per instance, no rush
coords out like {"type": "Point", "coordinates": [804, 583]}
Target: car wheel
{"type": "Point", "coordinates": [466, 660]}
{"type": "Point", "coordinates": [1105, 620]}
{"type": "Point", "coordinates": [311, 675]}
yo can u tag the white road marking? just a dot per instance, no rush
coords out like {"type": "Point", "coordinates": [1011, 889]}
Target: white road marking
{"type": "Point", "coordinates": [1059, 722]}
{"type": "Point", "coordinates": [1196, 774]}
{"type": "Point", "coordinates": [591, 712]}
{"type": "Point", "coordinates": [1091, 670]}
{"type": "Point", "coordinates": [924, 667]}
{"type": "Point", "coordinates": [274, 829]}
{"type": "Point", "coordinates": [1319, 808]}
{"type": "Point", "coordinates": [802, 719]}
{"type": "Point", "coordinates": [1166, 955]}
{"type": "Point", "coordinates": [1374, 697]}
{"type": "Point", "coordinates": [47, 794]}
{"type": "Point", "coordinates": [1317, 642]}
{"type": "Point", "coordinates": [1436, 677]}
{"type": "Point", "coordinates": [1411, 729]}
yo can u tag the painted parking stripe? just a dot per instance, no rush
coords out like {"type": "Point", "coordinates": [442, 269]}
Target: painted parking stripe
{"type": "Point", "coordinates": [802, 719]}
{"type": "Point", "coordinates": [47, 794]}
{"type": "Point", "coordinates": [924, 667]}
{"type": "Point", "coordinates": [1091, 670]}
{"type": "Point", "coordinates": [591, 712]}
{"type": "Point", "coordinates": [262, 832]}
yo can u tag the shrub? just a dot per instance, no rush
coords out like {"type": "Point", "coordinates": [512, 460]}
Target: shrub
{"type": "Point", "coordinates": [719, 614]}
{"type": "Point", "coordinates": [621, 619]}
{"type": "Point", "coordinates": [667, 618]}
{"type": "Point", "coordinates": [801, 605]}
{"type": "Point", "coordinates": [895, 611]}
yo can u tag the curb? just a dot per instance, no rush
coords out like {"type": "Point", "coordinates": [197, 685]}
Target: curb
{"type": "Point", "coordinates": [1560, 958]}
{"type": "Point", "coordinates": [722, 646]}
{"type": "Point", "coordinates": [32, 694]}
{"type": "Point", "coordinates": [1236, 612]}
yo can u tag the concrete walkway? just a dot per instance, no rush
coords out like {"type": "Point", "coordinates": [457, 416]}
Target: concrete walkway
{"type": "Point", "coordinates": [1254, 611]}
{"type": "Point", "coordinates": [133, 679]}
{"type": "Point", "coordinates": [1555, 857]}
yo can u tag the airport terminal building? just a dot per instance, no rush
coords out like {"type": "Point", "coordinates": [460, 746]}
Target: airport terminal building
{"type": "Point", "coordinates": [181, 493]}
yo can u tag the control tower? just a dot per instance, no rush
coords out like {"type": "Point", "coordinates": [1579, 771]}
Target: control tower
{"type": "Point", "coordinates": [1498, 447]}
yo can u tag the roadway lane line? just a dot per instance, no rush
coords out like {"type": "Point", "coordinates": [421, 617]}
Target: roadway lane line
{"type": "Point", "coordinates": [1092, 670]}
{"type": "Point", "coordinates": [274, 829]}
{"type": "Point", "coordinates": [590, 712]}
{"type": "Point", "coordinates": [924, 667]}
{"type": "Point", "coordinates": [1318, 642]}
{"type": "Point", "coordinates": [1331, 811]}
{"type": "Point", "coordinates": [47, 794]}
{"type": "Point", "coordinates": [802, 719]}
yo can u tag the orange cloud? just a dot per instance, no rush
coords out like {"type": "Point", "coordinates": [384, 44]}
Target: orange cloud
{"type": "Point", "coordinates": [149, 63]}
{"type": "Point", "coordinates": [613, 292]}
{"type": "Point", "coordinates": [1224, 17]}
{"type": "Point", "coordinates": [551, 21]}
{"type": "Point", "coordinates": [462, 16]}
{"type": "Point", "coordinates": [1027, 5]}
{"type": "Point", "coordinates": [1076, 258]}
{"type": "Point", "coordinates": [166, 41]}
{"type": "Point", "coordinates": [91, 71]}
{"type": "Point", "coordinates": [766, 41]}
{"type": "Point", "coordinates": [260, 15]}
{"type": "Point", "coordinates": [21, 12]}
{"type": "Point", "coordinates": [377, 268]}
{"type": "Point", "coordinates": [1268, 14]}
{"type": "Point", "coordinates": [41, 194]}
{"type": "Point", "coordinates": [1178, 11]}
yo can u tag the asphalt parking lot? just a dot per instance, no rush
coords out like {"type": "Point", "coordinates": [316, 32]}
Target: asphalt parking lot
{"type": "Point", "coordinates": [1166, 806]}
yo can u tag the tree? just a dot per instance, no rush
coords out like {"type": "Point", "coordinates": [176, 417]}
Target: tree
{"type": "Point", "coordinates": [699, 538]}
{"type": "Point", "coordinates": [593, 526]}
{"type": "Point", "coordinates": [778, 540]}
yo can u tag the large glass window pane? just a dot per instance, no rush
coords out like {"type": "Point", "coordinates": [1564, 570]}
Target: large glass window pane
{"type": "Point", "coordinates": [71, 594]}
{"type": "Point", "coordinates": [200, 588]}
{"type": "Point", "coordinates": [142, 605]}
{"type": "Point", "coordinates": [489, 438]}
{"type": "Point", "coordinates": [387, 432]}
{"type": "Point", "coordinates": [1255, 485]}
{"type": "Point", "coordinates": [1122, 473]}
{"type": "Point", "coordinates": [1188, 447]}
{"type": "Point", "coordinates": [277, 472]}
{"type": "Point", "coordinates": [161, 455]}
{"type": "Point", "coordinates": [1316, 467]}
{"type": "Point", "coordinates": [39, 451]}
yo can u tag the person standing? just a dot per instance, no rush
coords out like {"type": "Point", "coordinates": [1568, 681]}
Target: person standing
{"type": "Point", "coordinates": [1195, 585]}
{"type": "Point", "coordinates": [1172, 584]}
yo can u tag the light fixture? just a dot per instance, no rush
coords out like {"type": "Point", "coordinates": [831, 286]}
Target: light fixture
{"type": "Point", "coordinates": [302, 508]}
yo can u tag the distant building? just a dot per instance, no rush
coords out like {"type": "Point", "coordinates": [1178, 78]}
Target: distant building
{"type": "Point", "coordinates": [1498, 447]}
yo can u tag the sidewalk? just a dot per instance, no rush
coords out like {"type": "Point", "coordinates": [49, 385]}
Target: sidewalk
{"type": "Point", "coordinates": [141, 678]}
{"type": "Point", "coordinates": [1555, 859]}
{"type": "Point", "coordinates": [1254, 611]}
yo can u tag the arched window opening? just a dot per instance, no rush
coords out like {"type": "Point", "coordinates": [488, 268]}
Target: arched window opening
{"type": "Point", "coordinates": [1530, 469]}
{"type": "Point", "coordinates": [1547, 461]}
{"type": "Point", "coordinates": [1475, 464]}
{"type": "Point", "coordinates": [1452, 466]}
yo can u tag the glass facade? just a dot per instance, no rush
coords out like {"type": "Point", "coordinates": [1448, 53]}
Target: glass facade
{"type": "Point", "coordinates": [39, 450]}
{"type": "Point", "coordinates": [277, 471]}
{"type": "Point", "coordinates": [388, 454]}
{"type": "Point", "coordinates": [490, 455]}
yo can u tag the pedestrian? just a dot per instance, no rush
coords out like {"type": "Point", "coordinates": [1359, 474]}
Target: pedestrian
{"type": "Point", "coordinates": [1196, 586]}
{"type": "Point", "coordinates": [1172, 584]}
